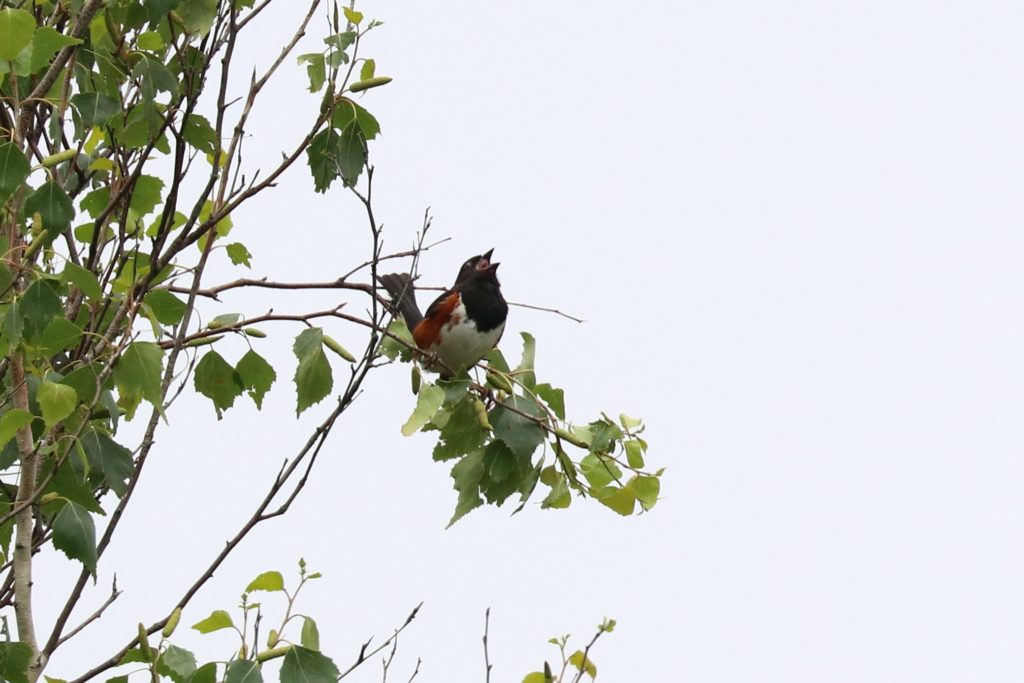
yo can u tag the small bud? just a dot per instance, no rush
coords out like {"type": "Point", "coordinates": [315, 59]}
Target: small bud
{"type": "Point", "coordinates": [172, 623]}
{"type": "Point", "coordinates": [204, 341]}
{"type": "Point", "coordinates": [416, 379]}
{"type": "Point", "coordinates": [375, 82]}
{"type": "Point", "coordinates": [147, 651]}
{"type": "Point", "coordinates": [253, 332]}
{"type": "Point", "coordinates": [333, 345]}
{"type": "Point", "coordinates": [481, 414]}
{"type": "Point", "coordinates": [499, 381]}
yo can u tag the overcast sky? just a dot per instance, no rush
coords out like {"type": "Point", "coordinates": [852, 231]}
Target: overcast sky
{"type": "Point", "coordinates": [794, 230]}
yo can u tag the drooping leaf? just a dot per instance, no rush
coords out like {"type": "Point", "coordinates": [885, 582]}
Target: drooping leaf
{"type": "Point", "coordinates": [554, 397]}
{"type": "Point", "coordinates": [14, 168]}
{"type": "Point", "coordinates": [428, 402]}
{"type": "Point", "coordinates": [207, 673]}
{"type": "Point", "coordinates": [467, 474]}
{"type": "Point", "coordinates": [74, 534]}
{"type": "Point", "coordinates": [600, 471]}
{"type": "Point", "coordinates": [313, 377]}
{"type": "Point", "coordinates": [146, 194]}
{"type": "Point", "coordinates": [322, 157]}
{"type": "Point", "coordinates": [82, 278]}
{"type": "Point", "coordinates": [239, 255]}
{"type": "Point", "coordinates": [267, 581]}
{"type": "Point", "coordinates": [302, 665]}
{"type": "Point", "coordinates": [461, 434]}
{"type": "Point", "coordinates": [53, 205]}
{"type": "Point", "coordinates": [39, 305]}
{"type": "Point", "coordinates": [257, 376]}
{"type": "Point", "coordinates": [46, 43]}
{"type": "Point", "coordinates": [16, 29]}
{"type": "Point", "coordinates": [14, 325]}
{"type": "Point", "coordinates": [646, 490]}
{"type": "Point", "coordinates": [56, 401]}
{"type": "Point", "coordinates": [60, 334]}
{"type": "Point", "coordinates": [110, 463]}
{"type": "Point", "coordinates": [310, 634]}
{"type": "Point", "coordinates": [155, 77]}
{"type": "Point", "coordinates": [351, 153]}
{"type": "Point", "coordinates": [95, 203]}
{"type": "Point", "coordinates": [138, 371]}
{"type": "Point", "coordinates": [95, 108]}
{"type": "Point", "coordinates": [198, 15]}
{"type": "Point", "coordinates": [583, 663]}
{"type": "Point", "coordinates": [316, 69]}
{"type": "Point", "coordinates": [218, 381]}
{"type": "Point", "coordinates": [217, 620]}
{"type": "Point", "coordinates": [525, 369]}
{"type": "Point", "coordinates": [623, 500]}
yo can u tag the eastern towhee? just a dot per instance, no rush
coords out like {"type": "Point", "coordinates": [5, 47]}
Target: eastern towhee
{"type": "Point", "coordinates": [464, 323]}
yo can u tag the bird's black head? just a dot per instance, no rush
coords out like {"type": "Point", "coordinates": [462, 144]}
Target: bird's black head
{"type": "Point", "coordinates": [478, 269]}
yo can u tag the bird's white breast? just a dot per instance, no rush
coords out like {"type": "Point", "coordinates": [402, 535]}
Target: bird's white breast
{"type": "Point", "coordinates": [461, 344]}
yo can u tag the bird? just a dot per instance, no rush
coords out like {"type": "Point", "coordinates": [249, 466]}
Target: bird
{"type": "Point", "coordinates": [463, 324]}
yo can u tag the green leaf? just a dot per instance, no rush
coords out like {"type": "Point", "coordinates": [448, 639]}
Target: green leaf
{"type": "Point", "coordinates": [623, 500]}
{"type": "Point", "coordinates": [95, 108]}
{"type": "Point", "coordinates": [110, 463]}
{"type": "Point", "coordinates": [83, 380]}
{"type": "Point", "coordinates": [16, 30]}
{"type": "Point", "coordinates": [150, 40]}
{"type": "Point", "coordinates": [198, 132]}
{"type": "Point", "coordinates": [519, 433]}
{"type": "Point", "coordinates": [428, 402]}
{"type": "Point", "coordinates": [524, 371]}
{"type": "Point", "coordinates": [243, 671]}
{"type": "Point", "coordinates": [95, 203]}
{"type": "Point", "coordinates": [155, 77]}
{"type": "Point", "coordinates": [177, 663]}
{"type": "Point", "coordinates": [75, 534]}
{"type": "Point", "coordinates": [74, 486]}
{"type": "Point", "coordinates": [341, 41]}
{"type": "Point", "coordinates": [345, 111]}
{"type": "Point", "coordinates": [217, 620]}
{"type": "Point", "coordinates": [555, 398]}
{"type": "Point", "coordinates": [84, 279]}
{"type": "Point", "coordinates": [302, 665]}
{"type": "Point", "coordinates": [267, 581]}
{"type": "Point", "coordinates": [316, 69]}
{"type": "Point", "coordinates": [257, 376]}
{"type": "Point", "coordinates": [60, 334]}
{"type": "Point", "coordinates": [352, 15]}
{"type": "Point", "coordinates": [322, 157]}
{"type": "Point", "coordinates": [239, 255]}
{"type": "Point", "coordinates": [146, 194]}
{"type": "Point", "coordinates": [559, 496]}
{"type": "Point", "coordinates": [646, 490]}
{"type": "Point", "coordinates": [138, 370]}
{"type": "Point", "coordinates": [207, 673]}
{"type": "Point", "coordinates": [198, 15]}
{"type": "Point", "coordinates": [600, 471]}
{"type": "Point", "coordinates": [56, 401]}
{"type": "Point", "coordinates": [14, 168]}
{"type": "Point", "coordinates": [367, 70]}
{"type": "Point", "coordinates": [11, 422]}
{"type": "Point", "coordinates": [535, 677]}
{"type": "Point", "coordinates": [167, 308]}
{"type": "Point", "coordinates": [53, 205]}
{"type": "Point", "coordinates": [46, 43]}
{"type": "Point", "coordinates": [313, 377]}
{"type": "Point", "coordinates": [351, 153]}
{"type": "Point", "coordinates": [461, 434]}
{"type": "Point", "coordinates": [39, 305]}
{"type": "Point", "coordinates": [583, 663]}
{"type": "Point", "coordinates": [218, 381]}
{"type": "Point", "coordinates": [467, 474]}
{"type": "Point", "coordinates": [310, 634]}
{"type": "Point", "coordinates": [14, 325]}
{"type": "Point", "coordinates": [634, 453]}
{"type": "Point", "coordinates": [14, 659]}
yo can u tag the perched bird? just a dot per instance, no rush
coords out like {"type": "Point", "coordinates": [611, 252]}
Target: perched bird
{"type": "Point", "coordinates": [464, 323]}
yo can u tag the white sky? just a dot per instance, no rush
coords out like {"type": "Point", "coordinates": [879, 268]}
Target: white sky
{"type": "Point", "coordinates": [794, 230]}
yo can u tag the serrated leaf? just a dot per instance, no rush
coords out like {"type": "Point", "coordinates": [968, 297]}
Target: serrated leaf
{"type": "Point", "coordinates": [302, 665]}
{"type": "Point", "coordinates": [84, 279]}
{"type": "Point", "coordinates": [267, 581]}
{"type": "Point", "coordinates": [559, 496]}
{"type": "Point", "coordinates": [110, 463]}
{"type": "Point", "coordinates": [316, 69]}
{"type": "Point", "coordinates": [322, 157]}
{"type": "Point", "coordinates": [313, 377]}
{"type": "Point", "coordinates": [428, 402]}
{"type": "Point", "coordinates": [243, 671]}
{"type": "Point", "coordinates": [14, 168]}
{"type": "Point", "coordinates": [217, 620]}
{"type": "Point", "coordinates": [16, 30]}
{"type": "Point", "coordinates": [525, 370]}
{"type": "Point", "coordinates": [95, 203]}
{"type": "Point", "coordinates": [177, 663]}
{"type": "Point", "coordinates": [554, 397]}
{"type": "Point", "coordinates": [46, 43]}
{"type": "Point", "coordinates": [138, 371]}
{"type": "Point", "coordinates": [74, 534]}
{"type": "Point", "coordinates": [519, 433]}
{"type": "Point", "coordinates": [310, 634]}
{"type": "Point", "coordinates": [351, 153]}
{"type": "Point", "coordinates": [11, 422]}
{"type": "Point", "coordinates": [60, 334]}
{"type": "Point", "coordinates": [239, 255]}
{"type": "Point", "coordinates": [462, 432]}
{"type": "Point", "coordinates": [207, 673]}
{"type": "Point", "coordinates": [14, 325]}
{"type": "Point", "coordinates": [95, 108]}
{"type": "Point", "coordinates": [467, 474]}
{"type": "Point", "coordinates": [146, 194]}
{"type": "Point", "coordinates": [218, 381]}
{"type": "Point", "coordinates": [257, 376]}
{"type": "Point", "coordinates": [56, 401]}
{"type": "Point", "coordinates": [154, 76]}
{"type": "Point", "coordinates": [198, 132]}
{"type": "Point", "coordinates": [39, 305]}
{"type": "Point", "coordinates": [53, 205]}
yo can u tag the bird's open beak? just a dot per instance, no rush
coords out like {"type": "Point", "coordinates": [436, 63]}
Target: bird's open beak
{"type": "Point", "coordinates": [485, 261]}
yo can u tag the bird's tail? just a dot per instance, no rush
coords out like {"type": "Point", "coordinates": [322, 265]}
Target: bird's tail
{"type": "Point", "coordinates": [403, 297]}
